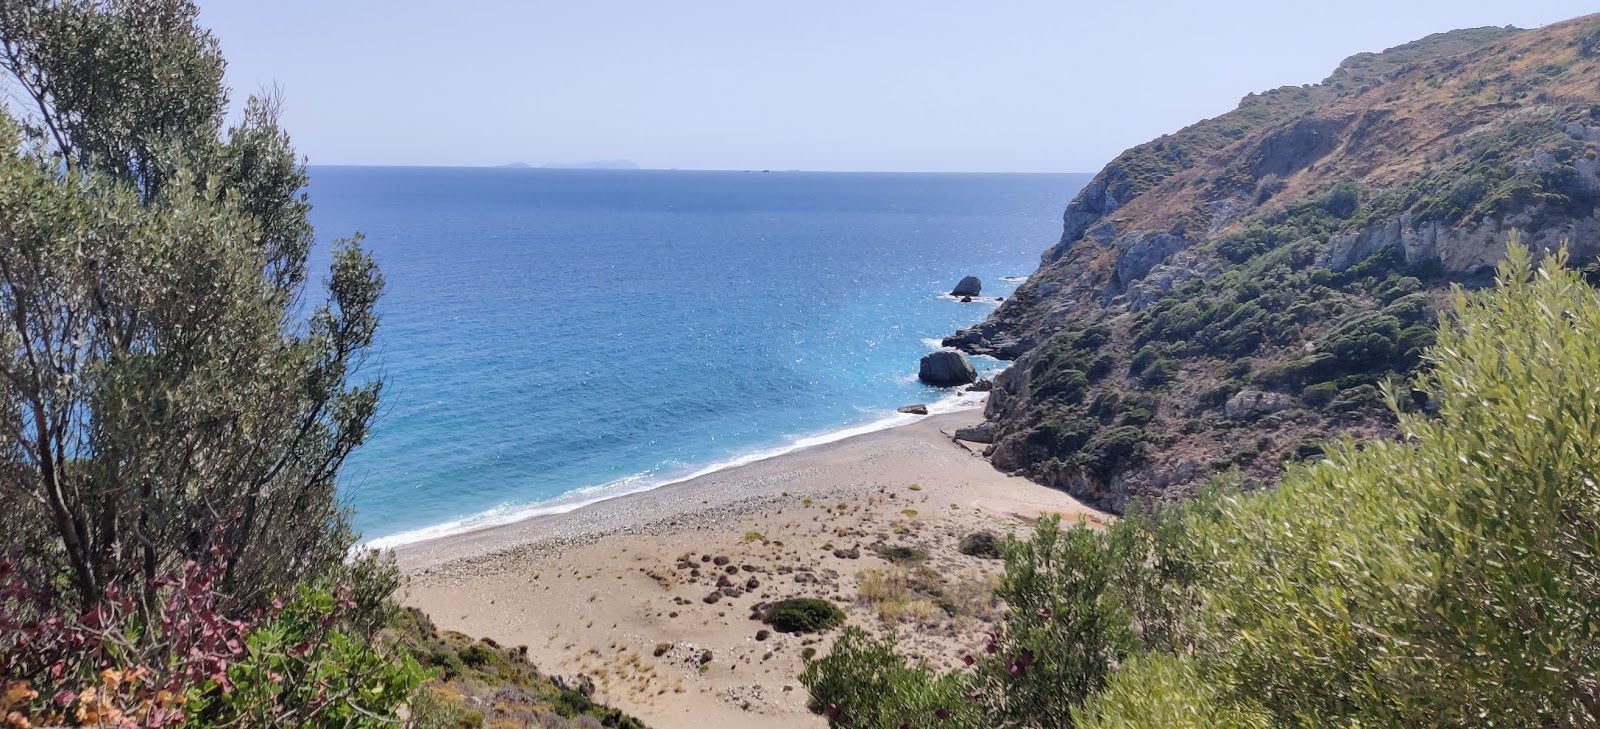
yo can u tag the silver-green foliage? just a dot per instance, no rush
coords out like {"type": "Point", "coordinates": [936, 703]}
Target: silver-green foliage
{"type": "Point", "coordinates": [1446, 579]}
{"type": "Point", "coordinates": [171, 388]}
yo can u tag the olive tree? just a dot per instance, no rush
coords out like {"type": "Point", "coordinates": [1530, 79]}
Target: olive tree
{"type": "Point", "coordinates": [172, 387]}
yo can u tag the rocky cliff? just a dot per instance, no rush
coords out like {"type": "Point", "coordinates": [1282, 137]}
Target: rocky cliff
{"type": "Point", "coordinates": [1232, 294]}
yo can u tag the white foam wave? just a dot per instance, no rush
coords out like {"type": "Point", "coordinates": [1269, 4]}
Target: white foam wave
{"type": "Point", "coordinates": [578, 498]}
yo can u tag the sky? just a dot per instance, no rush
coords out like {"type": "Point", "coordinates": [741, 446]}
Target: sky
{"type": "Point", "coordinates": [869, 85]}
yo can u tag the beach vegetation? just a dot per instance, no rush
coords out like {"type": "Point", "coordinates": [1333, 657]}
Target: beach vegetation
{"type": "Point", "coordinates": [919, 593]}
{"type": "Point", "coordinates": [803, 615]}
{"type": "Point", "coordinates": [981, 544]}
{"type": "Point", "coordinates": [904, 555]}
{"type": "Point", "coordinates": [1429, 581]}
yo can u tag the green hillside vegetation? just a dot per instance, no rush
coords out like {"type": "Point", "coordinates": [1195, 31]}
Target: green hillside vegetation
{"type": "Point", "coordinates": [1443, 578]}
{"type": "Point", "coordinates": [1301, 246]}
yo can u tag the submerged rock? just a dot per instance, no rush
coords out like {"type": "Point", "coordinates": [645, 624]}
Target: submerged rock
{"type": "Point", "coordinates": [969, 286]}
{"type": "Point", "coordinates": [946, 369]}
{"type": "Point", "coordinates": [914, 409]}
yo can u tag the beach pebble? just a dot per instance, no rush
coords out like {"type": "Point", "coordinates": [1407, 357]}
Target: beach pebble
{"type": "Point", "coordinates": [763, 634]}
{"type": "Point", "coordinates": [712, 598]}
{"type": "Point", "coordinates": [720, 561]}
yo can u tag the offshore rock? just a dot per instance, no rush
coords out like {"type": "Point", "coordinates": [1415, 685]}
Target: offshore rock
{"type": "Point", "coordinates": [969, 286]}
{"type": "Point", "coordinates": [946, 369]}
{"type": "Point", "coordinates": [918, 409]}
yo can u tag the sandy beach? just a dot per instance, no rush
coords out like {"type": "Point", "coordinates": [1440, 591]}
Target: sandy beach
{"type": "Point", "coordinates": [622, 591]}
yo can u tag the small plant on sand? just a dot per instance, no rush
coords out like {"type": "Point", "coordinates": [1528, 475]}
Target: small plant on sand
{"type": "Point", "coordinates": [750, 537]}
{"type": "Point", "coordinates": [909, 513]}
{"type": "Point", "coordinates": [803, 615]}
{"type": "Point", "coordinates": [981, 544]}
{"type": "Point", "coordinates": [915, 487]}
{"type": "Point", "coordinates": [904, 555]}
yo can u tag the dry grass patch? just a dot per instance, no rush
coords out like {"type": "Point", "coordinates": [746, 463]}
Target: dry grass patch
{"type": "Point", "coordinates": [901, 594]}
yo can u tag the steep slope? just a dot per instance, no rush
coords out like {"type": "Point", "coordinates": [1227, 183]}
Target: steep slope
{"type": "Point", "coordinates": [1231, 294]}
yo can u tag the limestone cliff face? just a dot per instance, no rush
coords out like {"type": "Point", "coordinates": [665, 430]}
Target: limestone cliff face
{"type": "Point", "coordinates": [1265, 250]}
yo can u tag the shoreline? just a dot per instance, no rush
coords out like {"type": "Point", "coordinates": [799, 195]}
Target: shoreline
{"type": "Point", "coordinates": [632, 511]}
{"type": "Point", "coordinates": [958, 401]}
{"type": "Point", "coordinates": [627, 592]}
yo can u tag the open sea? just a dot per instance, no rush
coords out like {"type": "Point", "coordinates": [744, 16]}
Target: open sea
{"type": "Point", "coordinates": [551, 338]}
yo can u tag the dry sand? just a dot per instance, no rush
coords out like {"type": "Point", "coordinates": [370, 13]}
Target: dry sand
{"type": "Point", "coordinates": [617, 590]}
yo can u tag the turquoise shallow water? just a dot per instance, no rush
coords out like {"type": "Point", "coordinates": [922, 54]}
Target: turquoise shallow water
{"type": "Point", "coordinates": [551, 337]}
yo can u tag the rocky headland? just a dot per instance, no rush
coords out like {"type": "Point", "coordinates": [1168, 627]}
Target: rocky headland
{"type": "Point", "coordinates": [1233, 294]}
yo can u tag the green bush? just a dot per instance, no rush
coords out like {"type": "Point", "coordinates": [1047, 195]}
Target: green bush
{"type": "Point", "coordinates": [1063, 384]}
{"type": "Point", "coordinates": [1159, 373]}
{"type": "Point", "coordinates": [1065, 435]}
{"type": "Point", "coordinates": [1188, 700]}
{"type": "Point", "coordinates": [803, 615]}
{"type": "Point", "coordinates": [1319, 394]}
{"type": "Point", "coordinates": [1435, 581]}
{"type": "Point", "coordinates": [1113, 450]}
{"type": "Point", "coordinates": [981, 544]}
{"type": "Point", "coordinates": [863, 684]}
{"type": "Point", "coordinates": [904, 555]}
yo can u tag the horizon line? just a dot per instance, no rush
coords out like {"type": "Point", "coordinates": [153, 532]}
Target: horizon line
{"type": "Point", "coordinates": [540, 168]}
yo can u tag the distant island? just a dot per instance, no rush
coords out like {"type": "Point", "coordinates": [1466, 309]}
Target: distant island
{"type": "Point", "coordinates": [604, 164]}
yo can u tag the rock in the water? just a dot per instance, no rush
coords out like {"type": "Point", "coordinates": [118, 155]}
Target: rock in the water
{"type": "Point", "coordinates": [1253, 403]}
{"type": "Point", "coordinates": [966, 299]}
{"type": "Point", "coordinates": [914, 409]}
{"type": "Point", "coordinates": [946, 369]}
{"type": "Point", "coordinates": [984, 385]}
{"type": "Point", "coordinates": [969, 286]}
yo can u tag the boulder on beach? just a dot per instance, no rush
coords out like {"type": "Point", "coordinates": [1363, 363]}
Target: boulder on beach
{"type": "Point", "coordinates": [969, 286]}
{"type": "Point", "coordinates": [946, 369]}
{"type": "Point", "coordinates": [918, 409]}
{"type": "Point", "coordinates": [983, 432]}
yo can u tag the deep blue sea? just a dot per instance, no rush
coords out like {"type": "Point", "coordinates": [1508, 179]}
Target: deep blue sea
{"type": "Point", "coordinates": [554, 337]}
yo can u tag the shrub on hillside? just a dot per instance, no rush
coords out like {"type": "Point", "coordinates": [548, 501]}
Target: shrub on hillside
{"type": "Point", "coordinates": [1433, 581]}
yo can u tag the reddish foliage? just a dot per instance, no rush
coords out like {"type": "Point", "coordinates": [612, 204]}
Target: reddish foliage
{"type": "Point", "coordinates": [124, 662]}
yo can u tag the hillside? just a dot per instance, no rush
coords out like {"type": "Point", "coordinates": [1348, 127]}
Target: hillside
{"type": "Point", "coordinates": [1232, 294]}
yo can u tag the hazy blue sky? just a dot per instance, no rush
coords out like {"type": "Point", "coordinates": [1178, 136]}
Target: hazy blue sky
{"type": "Point", "coordinates": [818, 85]}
